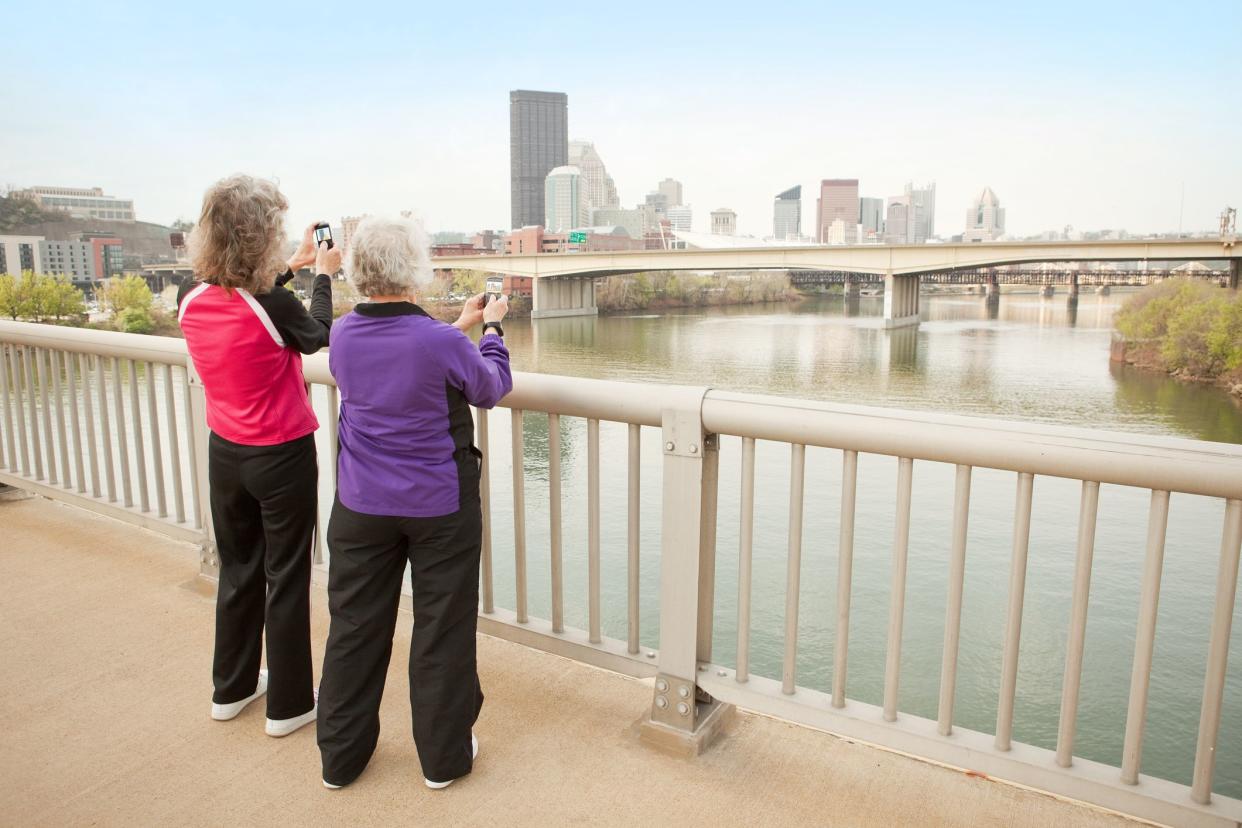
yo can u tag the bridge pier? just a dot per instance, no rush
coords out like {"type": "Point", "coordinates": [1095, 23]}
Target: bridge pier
{"type": "Point", "coordinates": [1046, 291]}
{"type": "Point", "coordinates": [852, 288]}
{"type": "Point", "coordinates": [1235, 273]}
{"type": "Point", "coordinates": [901, 299]}
{"type": "Point", "coordinates": [562, 296]}
{"type": "Point", "coordinates": [993, 288]}
{"type": "Point", "coordinates": [1104, 290]}
{"type": "Point", "coordinates": [1073, 288]}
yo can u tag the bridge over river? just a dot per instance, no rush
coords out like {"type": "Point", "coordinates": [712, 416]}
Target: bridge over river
{"type": "Point", "coordinates": [564, 282]}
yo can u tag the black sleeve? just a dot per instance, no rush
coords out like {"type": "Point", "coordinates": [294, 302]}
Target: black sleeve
{"type": "Point", "coordinates": [307, 332]}
{"type": "Point", "coordinates": [186, 286]}
{"type": "Point", "coordinates": [284, 278]}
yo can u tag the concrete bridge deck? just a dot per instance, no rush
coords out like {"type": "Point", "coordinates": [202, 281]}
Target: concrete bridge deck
{"type": "Point", "coordinates": [105, 690]}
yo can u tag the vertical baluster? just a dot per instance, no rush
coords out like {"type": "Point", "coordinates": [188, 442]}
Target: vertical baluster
{"type": "Point", "coordinates": [554, 520]}
{"type": "Point", "coordinates": [593, 600]}
{"type": "Point", "coordinates": [16, 359]}
{"type": "Point", "coordinates": [49, 441]}
{"type": "Point", "coordinates": [174, 446]}
{"type": "Point", "coordinates": [519, 515]}
{"type": "Point", "coordinates": [192, 448]}
{"type": "Point", "coordinates": [745, 539]}
{"type": "Point", "coordinates": [157, 453]}
{"type": "Point", "coordinates": [105, 427]}
{"type": "Point", "coordinates": [1013, 618]}
{"type": "Point", "coordinates": [88, 416]}
{"type": "Point", "coordinates": [71, 369]}
{"type": "Point", "coordinates": [845, 569]}
{"type": "Point", "coordinates": [1218, 654]}
{"type": "Point", "coordinates": [897, 592]}
{"type": "Point", "coordinates": [36, 444]}
{"type": "Point", "coordinates": [633, 515]}
{"type": "Point", "coordinates": [10, 455]}
{"type": "Point", "coordinates": [1070, 683]}
{"type": "Point", "coordinates": [1145, 637]}
{"type": "Point", "coordinates": [66, 479]}
{"type": "Point", "coordinates": [793, 572]}
{"type": "Point", "coordinates": [122, 438]}
{"type": "Point", "coordinates": [953, 610]}
{"type": "Point", "coordinates": [485, 501]}
{"type": "Point", "coordinates": [135, 413]}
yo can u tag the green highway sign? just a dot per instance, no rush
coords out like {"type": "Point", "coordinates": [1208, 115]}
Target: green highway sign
{"type": "Point", "coordinates": [577, 238]}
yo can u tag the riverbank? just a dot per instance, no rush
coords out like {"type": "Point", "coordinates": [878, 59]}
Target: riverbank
{"type": "Point", "coordinates": [1187, 329]}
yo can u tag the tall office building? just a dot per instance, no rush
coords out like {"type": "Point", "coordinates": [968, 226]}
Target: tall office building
{"type": "Point", "coordinates": [724, 222]}
{"type": "Point", "coordinates": [787, 214]}
{"type": "Point", "coordinates": [670, 188]}
{"type": "Point", "coordinates": [838, 199]}
{"type": "Point", "coordinates": [911, 216]}
{"type": "Point", "coordinates": [564, 206]}
{"type": "Point", "coordinates": [679, 217]}
{"type": "Point", "coordinates": [598, 188]}
{"type": "Point", "coordinates": [871, 218]}
{"type": "Point", "coordinates": [985, 221]}
{"type": "Point", "coordinates": [538, 143]}
{"type": "Point", "coordinates": [897, 222]}
{"type": "Point", "coordinates": [922, 212]}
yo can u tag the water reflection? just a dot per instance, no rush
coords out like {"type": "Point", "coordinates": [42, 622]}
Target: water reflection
{"type": "Point", "coordinates": [1024, 357]}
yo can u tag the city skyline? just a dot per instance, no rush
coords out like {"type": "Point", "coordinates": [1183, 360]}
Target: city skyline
{"type": "Point", "coordinates": [1079, 127]}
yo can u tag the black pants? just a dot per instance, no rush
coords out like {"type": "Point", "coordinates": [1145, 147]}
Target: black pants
{"type": "Point", "coordinates": [263, 506]}
{"type": "Point", "coordinates": [369, 554]}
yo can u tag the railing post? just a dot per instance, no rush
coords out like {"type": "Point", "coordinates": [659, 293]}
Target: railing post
{"type": "Point", "coordinates": [208, 559]}
{"type": "Point", "coordinates": [683, 718]}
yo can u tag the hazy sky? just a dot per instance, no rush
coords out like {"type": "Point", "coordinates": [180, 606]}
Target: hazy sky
{"type": "Point", "coordinates": [1094, 114]}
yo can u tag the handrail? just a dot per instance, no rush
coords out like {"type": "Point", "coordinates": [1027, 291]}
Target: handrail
{"type": "Point", "coordinates": [165, 350]}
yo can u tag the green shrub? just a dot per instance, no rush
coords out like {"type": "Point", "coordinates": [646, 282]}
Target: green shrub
{"type": "Point", "coordinates": [1194, 327]}
{"type": "Point", "coordinates": [135, 320]}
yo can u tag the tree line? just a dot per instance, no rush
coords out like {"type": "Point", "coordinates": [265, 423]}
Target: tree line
{"type": "Point", "coordinates": [42, 297]}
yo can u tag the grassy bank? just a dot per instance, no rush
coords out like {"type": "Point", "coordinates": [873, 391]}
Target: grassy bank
{"type": "Point", "coordinates": [649, 291]}
{"type": "Point", "coordinates": [1189, 329]}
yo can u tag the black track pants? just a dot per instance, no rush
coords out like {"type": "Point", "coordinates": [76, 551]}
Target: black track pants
{"type": "Point", "coordinates": [263, 505]}
{"type": "Point", "coordinates": [369, 554]}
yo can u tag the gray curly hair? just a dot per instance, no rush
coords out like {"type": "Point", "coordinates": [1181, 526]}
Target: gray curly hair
{"type": "Point", "coordinates": [389, 257]}
{"type": "Point", "coordinates": [240, 235]}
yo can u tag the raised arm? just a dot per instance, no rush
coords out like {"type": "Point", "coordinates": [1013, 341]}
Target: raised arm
{"type": "Point", "coordinates": [481, 372]}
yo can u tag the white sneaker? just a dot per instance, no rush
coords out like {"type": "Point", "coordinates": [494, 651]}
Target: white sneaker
{"type": "Point", "coordinates": [224, 712]}
{"type": "Point", "coordinates": [474, 754]}
{"type": "Point", "coordinates": [283, 727]}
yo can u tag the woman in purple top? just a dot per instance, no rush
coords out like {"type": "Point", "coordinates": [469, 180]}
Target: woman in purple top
{"type": "Point", "coordinates": [407, 492]}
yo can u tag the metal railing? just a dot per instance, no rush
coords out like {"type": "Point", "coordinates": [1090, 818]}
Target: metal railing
{"type": "Point", "coordinates": [64, 436]}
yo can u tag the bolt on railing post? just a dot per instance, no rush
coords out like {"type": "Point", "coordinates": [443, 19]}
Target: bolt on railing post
{"type": "Point", "coordinates": [209, 560]}
{"type": "Point", "coordinates": [687, 563]}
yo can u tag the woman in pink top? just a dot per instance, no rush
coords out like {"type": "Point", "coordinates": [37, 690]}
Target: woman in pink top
{"type": "Point", "coordinates": [246, 335]}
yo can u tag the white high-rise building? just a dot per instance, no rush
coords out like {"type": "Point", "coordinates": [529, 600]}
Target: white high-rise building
{"type": "Point", "coordinates": [598, 188]}
{"type": "Point", "coordinates": [564, 205]}
{"type": "Point", "coordinates": [911, 216]}
{"type": "Point", "coordinates": [985, 221]}
{"type": "Point", "coordinates": [724, 222]}
{"type": "Point", "coordinates": [679, 217]}
{"type": "Point", "coordinates": [787, 215]}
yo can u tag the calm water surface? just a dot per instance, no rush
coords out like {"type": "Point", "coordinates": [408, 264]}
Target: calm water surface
{"type": "Point", "coordinates": [1031, 359]}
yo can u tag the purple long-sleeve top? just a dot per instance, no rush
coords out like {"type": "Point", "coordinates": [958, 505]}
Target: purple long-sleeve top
{"type": "Point", "coordinates": [407, 382]}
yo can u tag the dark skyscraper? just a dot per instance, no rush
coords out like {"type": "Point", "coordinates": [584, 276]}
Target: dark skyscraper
{"type": "Point", "coordinates": [538, 142]}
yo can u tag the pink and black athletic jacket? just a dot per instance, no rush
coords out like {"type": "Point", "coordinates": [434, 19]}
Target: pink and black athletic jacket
{"type": "Point", "coordinates": [248, 351]}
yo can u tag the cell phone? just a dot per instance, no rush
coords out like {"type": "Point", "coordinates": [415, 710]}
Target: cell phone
{"type": "Point", "coordinates": [492, 288]}
{"type": "Point", "coordinates": [323, 233]}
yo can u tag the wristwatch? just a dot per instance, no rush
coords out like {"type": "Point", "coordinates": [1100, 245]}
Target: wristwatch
{"type": "Point", "coordinates": [499, 330]}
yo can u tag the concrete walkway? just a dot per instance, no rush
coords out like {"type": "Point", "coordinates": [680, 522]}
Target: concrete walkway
{"type": "Point", "coordinates": [105, 685]}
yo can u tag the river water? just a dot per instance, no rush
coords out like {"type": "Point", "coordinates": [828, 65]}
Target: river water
{"type": "Point", "coordinates": [1030, 359]}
